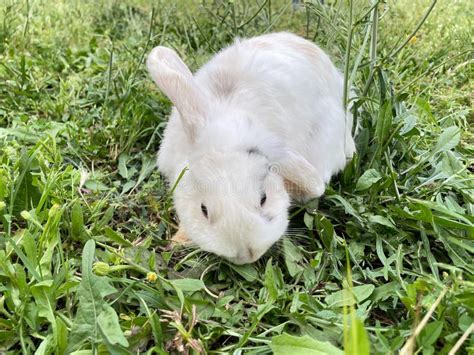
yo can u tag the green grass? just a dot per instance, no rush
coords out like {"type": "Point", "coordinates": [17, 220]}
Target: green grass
{"type": "Point", "coordinates": [85, 262]}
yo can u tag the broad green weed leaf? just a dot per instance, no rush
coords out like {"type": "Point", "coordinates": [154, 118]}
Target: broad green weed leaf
{"type": "Point", "coordinates": [29, 246]}
{"type": "Point", "coordinates": [128, 186]}
{"type": "Point", "coordinates": [383, 125]}
{"type": "Point", "coordinates": [270, 282]}
{"type": "Point", "coordinates": [247, 271]}
{"type": "Point", "coordinates": [339, 298]}
{"type": "Point", "coordinates": [96, 185]}
{"type": "Point", "coordinates": [261, 310]}
{"type": "Point", "coordinates": [286, 344]}
{"type": "Point", "coordinates": [221, 302]}
{"type": "Point", "coordinates": [325, 231]}
{"type": "Point", "coordinates": [449, 165]}
{"type": "Point", "coordinates": [385, 291]}
{"type": "Point", "coordinates": [25, 194]}
{"type": "Point", "coordinates": [436, 206]}
{"type": "Point", "coordinates": [382, 220]}
{"type": "Point", "coordinates": [44, 298]}
{"type": "Point", "coordinates": [425, 107]}
{"type": "Point", "coordinates": [465, 322]}
{"type": "Point", "coordinates": [49, 239]}
{"type": "Point", "coordinates": [430, 333]}
{"type": "Point", "coordinates": [77, 219]}
{"type": "Point", "coordinates": [61, 335]}
{"type": "Point", "coordinates": [148, 165]}
{"type": "Point", "coordinates": [348, 208]}
{"type": "Point", "coordinates": [20, 278]}
{"type": "Point", "coordinates": [122, 166]}
{"type": "Point", "coordinates": [295, 303]}
{"type": "Point", "coordinates": [188, 285]}
{"type": "Point", "coordinates": [91, 293]}
{"type": "Point", "coordinates": [116, 237]}
{"type": "Point", "coordinates": [45, 347]}
{"type": "Point", "coordinates": [292, 257]}
{"type": "Point", "coordinates": [448, 139]}
{"type": "Point", "coordinates": [25, 260]}
{"type": "Point", "coordinates": [108, 215]}
{"type": "Point", "coordinates": [44, 295]}
{"type": "Point", "coordinates": [308, 220]}
{"type": "Point", "coordinates": [109, 326]}
{"type": "Point", "coordinates": [410, 123]}
{"type": "Point", "coordinates": [367, 179]}
{"type": "Point", "coordinates": [358, 342]}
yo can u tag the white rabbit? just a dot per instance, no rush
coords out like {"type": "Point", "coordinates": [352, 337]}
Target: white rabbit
{"type": "Point", "coordinates": [261, 122]}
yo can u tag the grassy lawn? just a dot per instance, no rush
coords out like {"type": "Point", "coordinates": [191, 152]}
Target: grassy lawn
{"type": "Point", "coordinates": [85, 218]}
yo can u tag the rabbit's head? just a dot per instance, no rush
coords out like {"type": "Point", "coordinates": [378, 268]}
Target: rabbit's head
{"type": "Point", "coordinates": [233, 199]}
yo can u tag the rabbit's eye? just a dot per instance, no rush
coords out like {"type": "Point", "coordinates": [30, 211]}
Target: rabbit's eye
{"type": "Point", "coordinates": [204, 210]}
{"type": "Point", "coordinates": [263, 199]}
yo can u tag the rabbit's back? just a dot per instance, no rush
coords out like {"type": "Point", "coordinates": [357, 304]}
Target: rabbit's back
{"type": "Point", "coordinates": [289, 86]}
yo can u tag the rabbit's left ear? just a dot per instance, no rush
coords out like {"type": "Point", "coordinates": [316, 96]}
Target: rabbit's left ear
{"type": "Point", "coordinates": [302, 180]}
{"type": "Point", "coordinates": [175, 79]}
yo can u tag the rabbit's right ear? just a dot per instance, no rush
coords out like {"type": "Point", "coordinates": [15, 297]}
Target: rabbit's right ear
{"type": "Point", "coordinates": [175, 79]}
{"type": "Point", "coordinates": [302, 180]}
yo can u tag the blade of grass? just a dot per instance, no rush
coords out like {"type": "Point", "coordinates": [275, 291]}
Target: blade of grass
{"type": "Point", "coordinates": [409, 346]}
{"type": "Point", "coordinates": [461, 340]}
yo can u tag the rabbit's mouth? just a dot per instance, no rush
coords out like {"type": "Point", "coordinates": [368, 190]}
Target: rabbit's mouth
{"type": "Point", "coordinates": [241, 261]}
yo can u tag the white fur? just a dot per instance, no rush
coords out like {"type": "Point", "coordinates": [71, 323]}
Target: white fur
{"type": "Point", "coordinates": [278, 96]}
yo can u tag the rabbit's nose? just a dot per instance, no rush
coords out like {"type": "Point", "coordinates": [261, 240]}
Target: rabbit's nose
{"type": "Point", "coordinates": [244, 256]}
